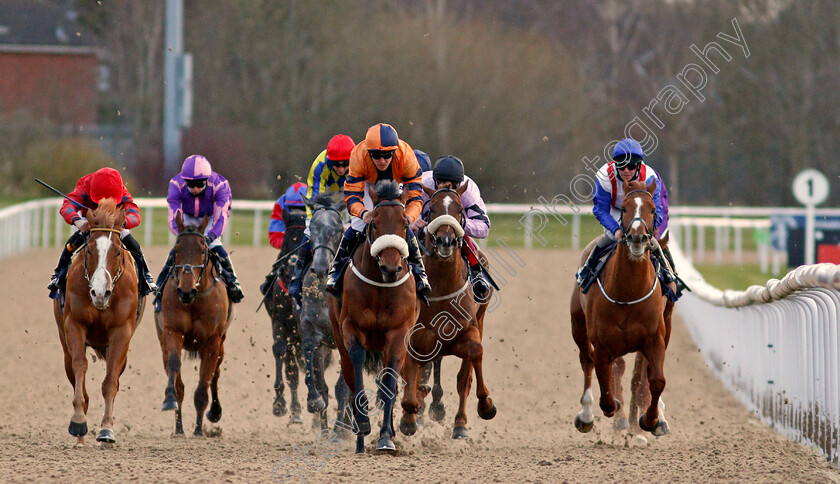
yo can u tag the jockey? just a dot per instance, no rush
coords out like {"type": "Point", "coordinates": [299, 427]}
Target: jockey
{"type": "Point", "coordinates": [380, 156]}
{"type": "Point", "coordinates": [449, 173]}
{"type": "Point", "coordinates": [327, 174]}
{"type": "Point", "coordinates": [90, 189]}
{"type": "Point", "coordinates": [292, 201]}
{"type": "Point", "coordinates": [197, 191]}
{"type": "Point", "coordinates": [627, 165]}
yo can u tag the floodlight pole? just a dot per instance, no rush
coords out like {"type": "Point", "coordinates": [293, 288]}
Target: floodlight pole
{"type": "Point", "coordinates": [173, 51]}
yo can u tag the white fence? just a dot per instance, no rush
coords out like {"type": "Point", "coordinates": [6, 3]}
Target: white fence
{"type": "Point", "coordinates": [776, 347]}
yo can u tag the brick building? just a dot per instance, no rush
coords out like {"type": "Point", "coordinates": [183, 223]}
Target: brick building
{"type": "Point", "coordinates": [48, 63]}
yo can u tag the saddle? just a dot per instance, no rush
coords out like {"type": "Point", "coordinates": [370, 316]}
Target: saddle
{"type": "Point", "coordinates": [665, 277]}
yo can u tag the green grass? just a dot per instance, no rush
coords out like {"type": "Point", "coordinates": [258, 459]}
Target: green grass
{"type": "Point", "coordinates": [733, 277]}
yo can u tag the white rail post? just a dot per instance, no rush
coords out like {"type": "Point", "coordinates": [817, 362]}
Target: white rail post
{"type": "Point", "coordinates": [701, 243]}
{"type": "Point", "coordinates": [739, 241]}
{"type": "Point", "coordinates": [257, 227]}
{"type": "Point", "coordinates": [529, 221]}
{"type": "Point", "coordinates": [148, 226]}
{"type": "Point", "coordinates": [576, 231]}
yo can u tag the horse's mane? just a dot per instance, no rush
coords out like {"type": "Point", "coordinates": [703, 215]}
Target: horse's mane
{"type": "Point", "coordinates": [323, 200]}
{"type": "Point", "coordinates": [387, 190]}
{"type": "Point", "coordinates": [105, 214]}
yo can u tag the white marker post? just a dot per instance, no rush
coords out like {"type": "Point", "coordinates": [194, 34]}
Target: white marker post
{"type": "Point", "coordinates": [810, 187]}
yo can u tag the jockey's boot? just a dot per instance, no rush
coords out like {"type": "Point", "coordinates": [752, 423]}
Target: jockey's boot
{"type": "Point", "coordinates": [163, 277]}
{"type": "Point", "coordinates": [681, 286]}
{"type": "Point", "coordinates": [588, 272]}
{"type": "Point", "coordinates": [345, 251]}
{"type": "Point", "coordinates": [415, 261]}
{"type": "Point", "coordinates": [146, 284]}
{"type": "Point", "coordinates": [296, 284]}
{"type": "Point", "coordinates": [480, 285]}
{"type": "Point", "coordinates": [233, 288]}
{"type": "Point", "coordinates": [73, 243]}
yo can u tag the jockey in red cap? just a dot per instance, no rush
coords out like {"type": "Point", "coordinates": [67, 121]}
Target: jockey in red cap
{"type": "Point", "coordinates": [90, 189]}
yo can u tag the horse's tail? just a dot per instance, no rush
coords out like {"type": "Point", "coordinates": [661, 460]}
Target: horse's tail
{"type": "Point", "coordinates": [100, 351]}
{"type": "Point", "coordinates": [374, 361]}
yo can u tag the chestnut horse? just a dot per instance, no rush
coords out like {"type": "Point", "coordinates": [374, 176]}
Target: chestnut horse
{"type": "Point", "coordinates": [195, 316]}
{"type": "Point", "coordinates": [378, 305]}
{"type": "Point", "coordinates": [625, 314]}
{"type": "Point", "coordinates": [101, 311]}
{"type": "Point", "coordinates": [453, 323]}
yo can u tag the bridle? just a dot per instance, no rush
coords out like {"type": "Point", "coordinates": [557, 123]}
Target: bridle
{"type": "Point", "coordinates": [369, 229]}
{"type": "Point", "coordinates": [191, 267]}
{"type": "Point", "coordinates": [648, 229]}
{"type": "Point", "coordinates": [459, 238]}
{"type": "Point", "coordinates": [118, 246]}
{"type": "Point", "coordinates": [324, 246]}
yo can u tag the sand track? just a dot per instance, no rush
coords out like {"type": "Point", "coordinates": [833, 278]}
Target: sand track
{"type": "Point", "coordinates": [531, 367]}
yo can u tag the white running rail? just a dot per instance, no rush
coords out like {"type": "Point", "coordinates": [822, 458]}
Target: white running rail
{"type": "Point", "coordinates": [775, 347]}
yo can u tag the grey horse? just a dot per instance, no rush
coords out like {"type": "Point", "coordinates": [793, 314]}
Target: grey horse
{"type": "Point", "coordinates": [326, 228]}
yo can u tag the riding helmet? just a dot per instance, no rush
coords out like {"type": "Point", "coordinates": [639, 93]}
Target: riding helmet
{"type": "Point", "coordinates": [449, 168]}
{"type": "Point", "coordinates": [196, 167]}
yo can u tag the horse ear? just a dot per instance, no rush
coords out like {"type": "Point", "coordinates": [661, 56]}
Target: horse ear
{"type": "Point", "coordinates": [666, 236]}
{"type": "Point", "coordinates": [338, 206]}
{"type": "Point", "coordinates": [652, 188]}
{"type": "Point", "coordinates": [120, 220]}
{"type": "Point", "coordinates": [179, 221]}
{"type": "Point", "coordinates": [429, 191]}
{"type": "Point", "coordinates": [203, 225]}
{"type": "Point", "coordinates": [372, 194]}
{"type": "Point", "coordinates": [308, 201]}
{"type": "Point", "coordinates": [461, 189]}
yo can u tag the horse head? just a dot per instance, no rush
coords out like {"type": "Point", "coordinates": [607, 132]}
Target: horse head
{"type": "Point", "coordinates": [103, 252]}
{"type": "Point", "coordinates": [325, 229]}
{"type": "Point", "coordinates": [386, 231]}
{"type": "Point", "coordinates": [638, 213]}
{"type": "Point", "coordinates": [446, 220]}
{"type": "Point", "coordinates": [192, 258]}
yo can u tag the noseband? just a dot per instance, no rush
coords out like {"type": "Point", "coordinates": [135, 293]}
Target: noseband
{"type": "Point", "coordinates": [191, 267]}
{"type": "Point", "coordinates": [118, 246]}
{"type": "Point", "coordinates": [433, 228]}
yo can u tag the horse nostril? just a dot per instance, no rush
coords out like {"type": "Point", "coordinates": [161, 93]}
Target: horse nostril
{"type": "Point", "coordinates": [107, 294]}
{"type": "Point", "coordinates": [92, 293]}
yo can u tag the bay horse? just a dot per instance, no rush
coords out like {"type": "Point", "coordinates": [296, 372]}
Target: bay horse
{"type": "Point", "coordinates": [624, 314]}
{"type": "Point", "coordinates": [195, 316]}
{"type": "Point", "coordinates": [377, 306]}
{"type": "Point", "coordinates": [284, 320]}
{"type": "Point", "coordinates": [453, 323]}
{"type": "Point", "coordinates": [326, 227]}
{"type": "Point", "coordinates": [102, 310]}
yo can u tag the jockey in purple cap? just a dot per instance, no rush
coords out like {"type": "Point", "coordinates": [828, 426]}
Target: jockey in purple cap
{"type": "Point", "coordinates": [197, 191]}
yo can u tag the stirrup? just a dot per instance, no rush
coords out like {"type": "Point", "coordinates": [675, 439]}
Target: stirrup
{"type": "Point", "coordinates": [54, 280]}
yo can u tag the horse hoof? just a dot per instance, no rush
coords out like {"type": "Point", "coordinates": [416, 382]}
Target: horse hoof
{"type": "Point", "coordinates": [408, 428]}
{"type": "Point", "coordinates": [215, 412]}
{"type": "Point", "coordinates": [315, 406]}
{"type": "Point", "coordinates": [437, 412]}
{"type": "Point", "coordinates": [360, 444]}
{"type": "Point", "coordinates": [420, 419]}
{"type": "Point", "coordinates": [386, 444]}
{"type": "Point", "coordinates": [644, 427]}
{"type": "Point", "coordinates": [661, 429]}
{"type": "Point", "coordinates": [488, 415]}
{"type": "Point", "coordinates": [198, 432]}
{"type": "Point", "coordinates": [106, 436]}
{"type": "Point", "coordinates": [583, 427]}
{"type": "Point", "coordinates": [460, 433]}
{"type": "Point", "coordinates": [78, 429]}
{"type": "Point", "coordinates": [363, 427]}
{"type": "Point", "coordinates": [169, 404]}
{"type": "Point", "coordinates": [295, 419]}
{"type": "Point", "coordinates": [279, 410]}
{"type": "Point", "coordinates": [621, 424]}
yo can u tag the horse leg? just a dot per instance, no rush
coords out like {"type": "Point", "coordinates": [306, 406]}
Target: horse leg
{"type": "Point", "coordinates": [172, 344]}
{"type": "Point", "coordinates": [115, 361]}
{"type": "Point", "coordinates": [410, 400]}
{"type": "Point", "coordinates": [76, 346]}
{"type": "Point", "coordinates": [215, 412]}
{"type": "Point", "coordinates": [279, 349]}
{"type": "Point", "coordinates": [179, 395]}
{"type": "Point", "coordinates": [321, 383]}
{"type": "Point", "coordinates": [639, 391]}
{"type": "Point", "coordinates": [459, 431]}
{"type": "Point", "coordinates": [584, 420]}
{"type": "Point", "coordinates": [209, 361]}
{"type": "Point", "coordinates": [655, 355]}
{"type": "Point", "coordinates": [356, 353]}
{"type": "Point", "coordinates": [436, 410]}
{"type": "Point", "coordinates": [388, 389]}
{"type": "Point", "coordinates": [603, 370]}
{"type": "Point", "coordinates": [314, 402]}
{"type": "Point", "coordinates": [618, 367]}
{"type": "Point", "coordinates": [293, 378]}
{"type": "Point", "coordinates": [342, 395]}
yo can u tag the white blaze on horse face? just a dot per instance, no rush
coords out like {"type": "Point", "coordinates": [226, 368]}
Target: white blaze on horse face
{"type": "Point", "coordinates": [638, 215]}
{"type": "Point", "coordinates": [446, 203]}
{"type": "Point", "coordinates": [99, 282]}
